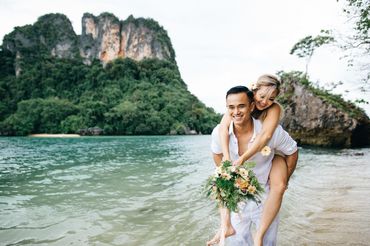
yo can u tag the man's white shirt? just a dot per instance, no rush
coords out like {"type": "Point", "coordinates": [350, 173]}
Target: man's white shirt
{"type": "Point", "coordinates": [280, 141]}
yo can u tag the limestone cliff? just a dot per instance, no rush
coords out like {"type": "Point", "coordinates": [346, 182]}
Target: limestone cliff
{"type": "Point", "coordinates": [104, 38]}
{"type": "Point", "coordinates": [51, 35]}
{"type": "Point", "coordinates": [315, 117]}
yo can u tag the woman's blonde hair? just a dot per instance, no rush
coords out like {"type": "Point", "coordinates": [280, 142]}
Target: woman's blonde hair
{"type": "Point", "coordinates": [274, 83]}
{"type": "Point", "coordinates": [268, 80]}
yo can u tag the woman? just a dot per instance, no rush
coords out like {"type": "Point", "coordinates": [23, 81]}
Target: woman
{"type": "Point", "coordinates": [265, 90]}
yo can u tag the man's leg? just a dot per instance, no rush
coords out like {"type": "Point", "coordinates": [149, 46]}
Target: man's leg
{"type": "Point", "coordinates": [242, 224]}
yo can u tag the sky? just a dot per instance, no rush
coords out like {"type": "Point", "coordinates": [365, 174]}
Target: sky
{"type": "Point", "coordinates": [219, 43]}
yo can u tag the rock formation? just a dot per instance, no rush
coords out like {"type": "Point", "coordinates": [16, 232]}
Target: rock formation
{"type": "Point", "coordinates": [315, 117]}
{"type": "Point", "coordinates": [104, 38]}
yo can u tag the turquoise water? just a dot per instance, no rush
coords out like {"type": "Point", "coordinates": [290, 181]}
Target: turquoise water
{"type": "Point", "coordinates": [147, 191]}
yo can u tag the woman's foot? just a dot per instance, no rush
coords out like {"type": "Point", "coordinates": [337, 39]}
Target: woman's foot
{"type": "Point", "coordinates": [215, 239]}
{"type": "Point", "coordinates": [221, 235]}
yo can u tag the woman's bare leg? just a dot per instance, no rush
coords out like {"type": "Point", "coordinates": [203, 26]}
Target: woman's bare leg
{"type": "Point", "coordinates": [278, 183]}
{"type": "Point", "coordinates": [226, 228]}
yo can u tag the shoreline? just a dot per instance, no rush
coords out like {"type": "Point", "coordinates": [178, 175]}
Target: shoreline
{"type": "Point", "coordinates": [46, 135]}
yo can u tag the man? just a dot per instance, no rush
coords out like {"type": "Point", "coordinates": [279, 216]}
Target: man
{"type": "Point", "coordinates": [242, 132]}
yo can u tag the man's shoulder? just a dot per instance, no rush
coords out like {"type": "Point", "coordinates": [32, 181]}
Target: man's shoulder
{"type": "Point", "coordinates": [216, 133]}
{"type": "Point", "coordinates": [215, 144]}
{"type": "Point", "coordinates": [216, 129]}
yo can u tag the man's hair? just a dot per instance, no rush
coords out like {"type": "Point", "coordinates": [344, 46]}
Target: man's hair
{"type": "Point", "coordinates": [241, 89]}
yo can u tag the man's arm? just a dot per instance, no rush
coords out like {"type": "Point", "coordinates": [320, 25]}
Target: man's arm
{"type": "Point", "coordinates": [216, 146]}
{"type": "Point", "coordinates": [217, 158]}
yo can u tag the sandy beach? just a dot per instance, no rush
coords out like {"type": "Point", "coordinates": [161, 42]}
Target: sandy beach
{"type": "Point", "coordinates": [46, 135]}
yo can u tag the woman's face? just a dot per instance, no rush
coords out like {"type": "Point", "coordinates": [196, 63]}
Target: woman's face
{"type": "Point", "coordinates": [264, 98]}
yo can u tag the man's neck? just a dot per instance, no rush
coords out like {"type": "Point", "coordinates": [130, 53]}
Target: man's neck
{"type": "Point", "coordinates": [246, 127]}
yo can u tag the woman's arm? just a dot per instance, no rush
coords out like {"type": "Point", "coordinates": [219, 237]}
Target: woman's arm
{"type": "Point", "coordinates": [224, 135]}
{"type": "Point", "coordinates": [268, 128]}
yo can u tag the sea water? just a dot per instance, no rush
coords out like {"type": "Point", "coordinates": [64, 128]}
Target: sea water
{"type": "Point", "coordinates": [147, 190]}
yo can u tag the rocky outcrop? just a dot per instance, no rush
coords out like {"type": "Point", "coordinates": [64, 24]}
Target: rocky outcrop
{"type": "Point", "coordinates": [103, 38]}
{"type": "Point", "coordinates": [106, 38]}
{"type": "Point", "coordinates": [52, 34]}
{"type": "Point", "coordinates": [316, 117]}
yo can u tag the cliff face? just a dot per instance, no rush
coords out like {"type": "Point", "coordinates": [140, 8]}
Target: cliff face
{"type": "Point", "coordinates": [52, 34]}
{"type": "Point", "coordinates": [315, 117]}
{"type": "Point", "coordinates": [104, 38]}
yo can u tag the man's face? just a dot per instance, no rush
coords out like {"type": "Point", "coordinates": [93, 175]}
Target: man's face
{"type": "Point", "coordinates": [239, 108]}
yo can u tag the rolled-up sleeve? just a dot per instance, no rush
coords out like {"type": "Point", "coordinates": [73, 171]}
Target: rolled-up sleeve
{"type": "Point", "coordinates": [216, 145]}
{"type": "Point", "coordinates": [284, 142]}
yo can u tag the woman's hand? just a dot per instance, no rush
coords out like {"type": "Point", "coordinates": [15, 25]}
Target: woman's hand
{"type": "Point", "coordinates": [238, 162]}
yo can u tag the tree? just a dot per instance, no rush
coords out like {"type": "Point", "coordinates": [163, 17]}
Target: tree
{"type": "Point", "coordinates": [358, 11]}
{"type": "Point", "coordinates": [306, 46]}
{"type": "Point", "coordinates": [355, 46]}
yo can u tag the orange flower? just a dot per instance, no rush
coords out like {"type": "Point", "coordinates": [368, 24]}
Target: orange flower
{"type": "Point", "coordinates": [241, 183]}
{"type": "Point", "coordinates": [251, 189]}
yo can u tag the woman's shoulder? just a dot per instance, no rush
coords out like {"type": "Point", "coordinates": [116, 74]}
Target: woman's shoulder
{"type": "Point", "coordinates": [275, 109]}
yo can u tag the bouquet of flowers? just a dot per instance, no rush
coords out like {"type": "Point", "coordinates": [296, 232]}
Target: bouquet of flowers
{"type": "Point", "coordinates": [230, 185]}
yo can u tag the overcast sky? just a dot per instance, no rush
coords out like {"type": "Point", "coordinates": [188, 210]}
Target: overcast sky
{"type": "Point", "coordinates": [218, 44]}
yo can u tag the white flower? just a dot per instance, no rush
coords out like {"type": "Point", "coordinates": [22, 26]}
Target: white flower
{"type": "Point", "coordinates": [251, 85]}
{"type": "Point", "coordinates": [218, 170]}
{"type": "Point", "coordinates": [232, 169]}
{"type": "Point", "coordinates": [244, 172]}
{"type": "Point", "coordinates": [266, 151]}
{"type": "Point", "coordinates": [226, 176]}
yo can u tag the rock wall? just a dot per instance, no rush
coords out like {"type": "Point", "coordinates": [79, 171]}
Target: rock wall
{"type": "Point", "coordinates": [103, 37]}
{"type": "Point", "coordinates": [315, 117]}
{"type": "Point", "coordinates": [106, 38]}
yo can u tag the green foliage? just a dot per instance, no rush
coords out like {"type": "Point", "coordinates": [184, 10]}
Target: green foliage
{"type": "Point", "coordinates": [359, 10]}
{"type": "Point", "coordinates": [39, 115]}
{"type": "Point", "coordinates": [124, 97]}
{"type": "Point", "coordinates": [6, 63]}
{"type": "Point", "coordinates": [306, 46]}
{"type": "Point", "coordinates": [127, 97]}
{"type": "Point", "coordinates": [355, 44]}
